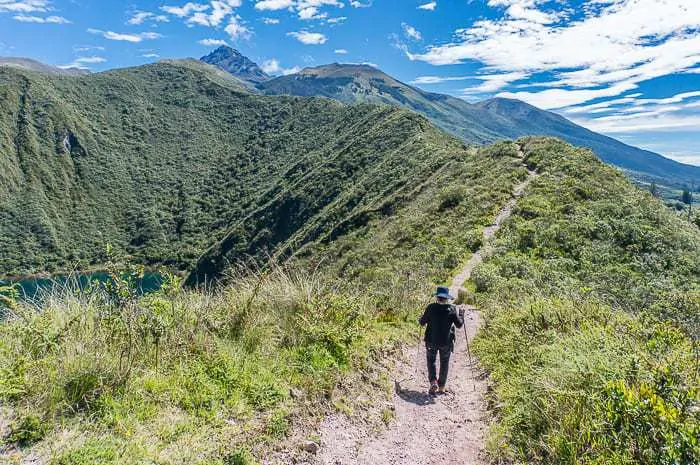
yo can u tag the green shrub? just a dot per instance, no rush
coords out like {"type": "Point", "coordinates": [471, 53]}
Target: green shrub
{"type": "Point", "coordinates": [240, 457]}
{"type": "Point", "coordinates": [591, 321]}
{"type": "Point", "coordinates": [93, 451]}
{"type": "Point", "coordinates": [27, 430]}
{"type": "Point", "coordinates": [451, 197]}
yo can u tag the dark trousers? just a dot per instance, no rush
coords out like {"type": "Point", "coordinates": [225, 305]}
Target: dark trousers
{"type": "Point", "coordinates": [432, 352]}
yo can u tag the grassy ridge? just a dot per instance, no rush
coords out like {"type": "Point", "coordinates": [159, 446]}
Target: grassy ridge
{"type": "Point", "coordinates": [592, 300]}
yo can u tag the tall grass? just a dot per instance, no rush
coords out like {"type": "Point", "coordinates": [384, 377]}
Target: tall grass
{"type": "Point", "coordinates": [184, 377]}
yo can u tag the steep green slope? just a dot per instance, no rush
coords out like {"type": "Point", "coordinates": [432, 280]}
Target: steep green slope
{"type": "Point", "coordinates": [160, 160]}
{"type": "Point", "coordinates": [592, 303]}
{"type": "Point", "coordinates": [484, 122]}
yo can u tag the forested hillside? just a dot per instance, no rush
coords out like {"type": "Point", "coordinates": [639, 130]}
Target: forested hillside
{"type": "Point", "coordinates": [160, 160]}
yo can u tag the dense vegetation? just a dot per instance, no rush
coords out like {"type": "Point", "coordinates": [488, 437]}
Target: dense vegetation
{"type": "Point", "coordinates": [161, 160]}
{"type": "Point", "coordinates": [180, 377]}
{"type": "Point", "coordinates": [591, 295]}
{"type": "Point", "coordinates": [483, 122]}
{"type": "Point", "coordinates": [592, 298]}
{"type": "Point", "coordinates": [225, 375]}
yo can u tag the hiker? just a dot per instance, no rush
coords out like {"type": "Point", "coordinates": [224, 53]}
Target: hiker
{"type": "Point", "coordinates": [441, 318]}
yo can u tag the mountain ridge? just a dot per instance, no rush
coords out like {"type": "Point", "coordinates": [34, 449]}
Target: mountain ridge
{"type": "Point", "coordinates": [482, 122]}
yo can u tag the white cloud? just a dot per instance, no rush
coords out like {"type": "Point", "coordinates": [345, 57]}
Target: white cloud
{"type": "Point", "coordinates": [336, 20]}
{"type": "Point", "coordinates": [185, 10]}
{"type": "Point", "coordinates": [340, 51]}
{"type": "Point", "coordinates": [150, 55]}
{"type": "Point", "coordinates": [24, 6]}
{"type": "Point", "coordinates": [612, 47]}
{"type": "Point", "coordinates": [309, 38]}
{"type": "Point", "coordinates": [490, 82]}
{"type": "Point", "coordinates": [270, 20]}
{"type": "Point", "coordinates": [133, 38]}
{"type": "Point", "coordinates": [41, 20]}
{"type": "Point", "coordinates": [139, 17]}
{"type": "Point", "coordinates": [212, 42]}
{"type": "Point", "coordinates": [428, 6]}
{"type": "Point", "coordinates": [642, 123]}
{"type": "Point", "coordinates": [273, 4]}
{"type": "Point", "coordinates": [82, 62]}
{"type": "Point", "coordinates": [357, 4]}
{"type": "Point", "coordinates": [411, 32]}
{"type": "Point", "coordinates": [236, 30]}
{"type": "Point", "coordinates": [311, 12]}
{"type": "Point", "coordinates": [273, 67]}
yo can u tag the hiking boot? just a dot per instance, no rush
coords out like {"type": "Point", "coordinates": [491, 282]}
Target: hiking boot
{"type": "Point", "coordinates": [441, 390]}
{"type": "Point", "coordinates": [433, 388]}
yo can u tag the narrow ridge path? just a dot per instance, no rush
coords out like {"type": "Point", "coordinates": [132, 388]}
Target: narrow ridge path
{"type": "Point", "coordinates": [444, 430]}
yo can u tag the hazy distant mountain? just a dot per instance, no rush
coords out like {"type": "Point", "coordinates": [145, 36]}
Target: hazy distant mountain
{"type": "Point", "coordinates": [481, 123]}
{"type": "Point", "coordinates": [26, 63]}
{"type": "Point", "coordinates": [232, 61]}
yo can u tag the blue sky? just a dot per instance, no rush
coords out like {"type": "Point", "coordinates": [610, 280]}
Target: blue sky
{"type": "Point", "coordinates": [626, 68]}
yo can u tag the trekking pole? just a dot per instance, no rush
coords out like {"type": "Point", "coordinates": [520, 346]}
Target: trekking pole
{"type": "Point", "coordinates": [469, 354]}
{"type": "Point", "coordinates": [466, 338]}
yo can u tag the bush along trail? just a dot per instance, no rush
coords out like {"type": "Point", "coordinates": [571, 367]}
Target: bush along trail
{"type": "Point", "coordinates": [423, 429]}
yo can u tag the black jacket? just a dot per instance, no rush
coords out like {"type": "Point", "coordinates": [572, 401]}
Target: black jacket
{"type": "Point", "coordinates": [440, 318]}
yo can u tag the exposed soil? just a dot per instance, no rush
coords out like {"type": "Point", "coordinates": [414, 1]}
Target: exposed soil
{"type": "Point", "coordinates": [441, 430]}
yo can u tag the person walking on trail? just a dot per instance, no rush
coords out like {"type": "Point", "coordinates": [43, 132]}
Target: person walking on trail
{"type": "Point", "coordinates": [441, 318]}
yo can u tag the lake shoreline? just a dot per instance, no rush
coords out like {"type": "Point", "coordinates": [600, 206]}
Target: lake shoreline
{"type": "Point", "coordinates": [10, 279]}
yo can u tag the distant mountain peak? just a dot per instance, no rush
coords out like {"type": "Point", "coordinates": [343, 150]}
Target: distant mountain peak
{"type": "Point", "coordinates": [234, 62]}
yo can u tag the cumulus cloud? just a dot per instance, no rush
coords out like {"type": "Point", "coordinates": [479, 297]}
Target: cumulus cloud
{"type": "Point", "coordinates": [340, 51]}
{"type": "Point", "coordinates": [213, 14]}
{"type": "Point", "coordinates": [357, 4]}
{"type": "Point", "coordinates": [24, 6]}
{"type": "Point", "coordinates": [428, 6]}
{"type": "Point", "coordinates": [139, 17]}
{"type": "Point", "coordinates": [305, 9]}
{"type": "Point", "coordinates": [185, 10]}
{"type": "Point", "coordinates": [270, 20]}
{"type": "Point", "coordinates": [607, 51]}
{"type": "Point", "coordinates": [309, 38]}
{"type": "Point", "coordinates": [273, 67]}
{"type": "Point", "coordinates": [133, 38]}
{"type": "Point", "coordinates": [212, 42]}
{"type": "Point", "coordinates": [41, 20]}
{"type": "Point", "coordinates": [274, 5]}
{"type": "Point", "coordinates": [236, 30]}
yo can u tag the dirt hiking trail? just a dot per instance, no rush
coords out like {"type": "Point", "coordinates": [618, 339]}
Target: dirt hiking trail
{"type": "Point", "coordinates": [447, 429]}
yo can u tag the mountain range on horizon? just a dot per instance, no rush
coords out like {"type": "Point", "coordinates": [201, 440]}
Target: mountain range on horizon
{"type": "Point", "coordinates": [480, 123]}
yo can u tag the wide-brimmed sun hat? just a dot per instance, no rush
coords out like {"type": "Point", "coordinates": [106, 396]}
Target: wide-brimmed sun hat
{"type": "Point", "coordinates": [443, 292]}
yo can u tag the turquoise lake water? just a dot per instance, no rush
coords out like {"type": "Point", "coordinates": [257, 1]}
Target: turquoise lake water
{"type": "Point", "coordinates": [32, 288]}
